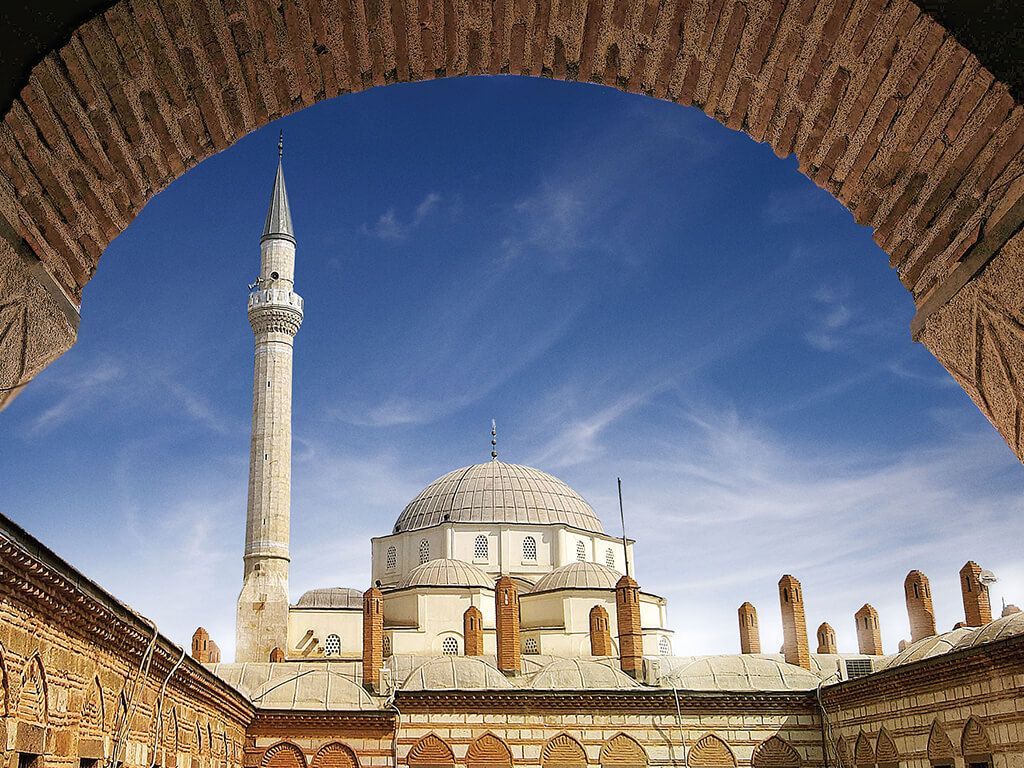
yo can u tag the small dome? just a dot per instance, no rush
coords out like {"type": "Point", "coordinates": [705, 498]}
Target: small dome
{"type": "Point", "coordinates": [455, 673]}
{"type": "Point", "coordinates": [331, 597]}
{"type": "Point", "coordinates": [310, 686]}
{"type": "Point", "coordinates": [581, 675]}
{"type": "Point", "coordinates": [448, 573]}
{"type": "Point", "coordinates": [579, 576]}
{"type": "Point", "coordinates": [496, 492]}
{"type": "Point", "coordinates": [1000, 629]}
{"type": "Point", "coordinates": [739, 673]}
{"type": "Point", "coordinates": [926, 647]}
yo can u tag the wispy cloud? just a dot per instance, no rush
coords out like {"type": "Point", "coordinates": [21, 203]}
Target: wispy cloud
{"type": "Point", "coordinates": [389, 226]}
{"type": "Point", "coordinates": [831, 319]}
{"type": "Point", "coordinates": [77, 390]}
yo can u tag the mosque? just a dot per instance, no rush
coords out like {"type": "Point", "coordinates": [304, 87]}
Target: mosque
{"type": "Point", "coordinates": [504, 627]}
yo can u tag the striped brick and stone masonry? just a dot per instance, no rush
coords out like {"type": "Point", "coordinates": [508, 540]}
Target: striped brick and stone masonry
{"type": "Point", "coordinates": [373, 638]}
{"type": "Point", "coordinates": [506, 613]}
{"type": "Point", "coordinates": [750, 634]}
{"type": "Point", "coordinates": [473, 631]}
{"type": "Point", "coordinates": [826, 639]}
{"type": "Point", "coordinates": [631, 638]}
{"type": "Point", "coordinates": [869, 631]}
{"type": "Point", "coordinates": [918, 593]}
{"type": "Point", "coordinates": [600, 632]}
{"type": "Point", "coordinates": [977, 607]}
{"type": "Point", "coordinates": [794, 623]}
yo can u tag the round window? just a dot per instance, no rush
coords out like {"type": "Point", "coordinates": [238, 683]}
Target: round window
{"type": "Point", "coordinates": [274, 275]}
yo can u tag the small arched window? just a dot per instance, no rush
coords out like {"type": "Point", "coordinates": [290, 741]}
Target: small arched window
{"type": "Point", "coordinates": [664, 646]}
{"type": "Point", "coordinates": [609, 557]}
{"type": "Point", "coordinates": [480, 548]}
{"type": "Point", "coordinates": [530, 549]}
{"type": "Point", "coordinates": [386, 645]}
{"type": "Point", "coordinates": [332, 645]}
{"type": "Point", "coordinates": [450, 646]}
{"type": "Point", "coordinates": [424, 551]}
{"type": "Point", "coordinates": [391, 560]}
{"type": "Point", "coordinates": [531, 646]}
{"type": "Point", "coordinates": [581, 551]}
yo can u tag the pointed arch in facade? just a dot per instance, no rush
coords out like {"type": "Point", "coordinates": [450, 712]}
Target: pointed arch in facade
{"type": "Point", "coordinates": [284, 754]}
{"type": "Point", "coordinates": [335, 755]}
{"type": "Point", "coordinates": [431, 752]}
{"type": "Point", "coordinates": [488, 751]}
{"type": "Point", "coordinates": [563, 751]}
{"type": "Point", "coordinates": [886, 754]}
{"type": "Point", "coordinates": [863, 752]}
{"type": "Point", "coordinates": [33, 704]}
{"type": "Point", "coordinates": [94, 713]}
{"type": "Point", "coordinates": [843, 753]}
{"type": "Point", "coordinates": [940, 749]}
{"type": "Point", "coordinates": [5, 686]}
{"type": "Point", "coordinates": [975, 745]}
{"type": "Point", "coordinates": [711, 752]}
{"type": "Point", "coordinates": [623, 751]}
{"type": "Point", "coordinates": [775, 752]}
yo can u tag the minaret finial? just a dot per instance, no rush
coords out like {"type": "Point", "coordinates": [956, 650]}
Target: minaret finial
{"type": "Point", "coordinates": [280, 145]}
{"type": "Point", "coordinates": [494, 440]}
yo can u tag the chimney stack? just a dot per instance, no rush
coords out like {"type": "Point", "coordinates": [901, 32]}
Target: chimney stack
{"type": "Point", "coordinates": [506, 613]}
{"type": "Point", "coordinates": [373, 638]}
{"type": "Point", "coordinates": [631, 639]}
{"type": "Point", "coordinates": [201, 646]}
{"type": "Point", "coordinates": [977, 609]}
{"type": "Point", "coordinates": [600, 632]}
{"type": "Point", "coordinates": [826, 639]}
{"type": "Point", "coordinates": [276, 655]}
{"type": "Point", "coordinates": [750, 635]}
{"type": "Point", "coordinates": [869, 632]}
{"type": "Point", "coordinates": [473, 631]}
{"type": "Point", "coordinates": [794, 623]}
{"type": "Point", "coordinates": [919, 606]}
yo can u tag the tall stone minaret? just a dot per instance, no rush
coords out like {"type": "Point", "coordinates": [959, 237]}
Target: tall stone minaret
{"type": "Point", "coordinates": [275, 313]}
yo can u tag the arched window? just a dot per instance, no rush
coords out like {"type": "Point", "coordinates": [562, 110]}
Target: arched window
{"type": "Point", "coordinates": [424, 551]}
{"type": "Point", "coordinates": [531, 646]}
{"type": "Point", "coordinates": [450, 646]}
{"type": "Point", "coordinates": [391, 560]}
{"type": "Point", "coordinates": [664, 646]}
{"type": "Point", "coordinates": [332, 645]}
{"type": "Point", "coordinates": [581, 551]}
{"type": "Point", "coordinates": [386, 645]}
{"type": "Point", "coordinates": [609, 557]}
{"type": "Point", "coordinates": [480, 549]}
{"type": "Point", "coordinates": [530, 549]}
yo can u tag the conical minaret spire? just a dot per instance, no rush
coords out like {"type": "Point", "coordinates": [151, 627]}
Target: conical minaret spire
{"type": "Point", "coordinates": [275, 314]}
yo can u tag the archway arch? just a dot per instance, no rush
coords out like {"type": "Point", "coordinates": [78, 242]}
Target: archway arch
{"type": "Point", "coordinates": [430, 752]}
{"type": "Point", "coordinates": [563, 751]}
{"type": "Point", "coordinates": [5, 686]}
{"type": "Point", "coordinates": [488, 751]}
{"type": "Point", "coordinates": [711, 752]}
{"type": "Point", "coordinates": [622, 751]}
{"type": "Point", "coordinates": [775, 752]}
{"type": "Point", "coordinates": [886, 754]}
{"type": "Point", "coordinates": [940, 748]}
{"type": "Point", "coordinates": [863, 752]}
{"type": "Point", "coordinates": [879, 103]}
{"type": "Point", "coordinates": [284, 754]}
{"type": "Point", "coordinates": [93, 709]}
{"type": "Point", "coordinates": [33, 700]}
{"type": "Point", "coordinates": [975, 745]}
{"type": "Point", "coordinates": [335, 755]}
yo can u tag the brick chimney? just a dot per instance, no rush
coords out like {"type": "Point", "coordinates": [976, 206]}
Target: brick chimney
{"type": "Point", "coordinates": [506, 613]}
{"type": "Point", "coordinates": [373, 638]}
{"type": "Point", "coordinates": [919, 606]}
{"type": "Point", "coordinates": [201, 646]}
{"type": "Point", "coordinates": [1009, 609]}
{"type": "Point", "coordinates": [276, 655]}
{"type": "Point", "coordinates": [977, 609]}
{"type": "Point", "coordinates": [869, 631]}
{"type": "Point", "coordinates": [473, 631]}
{"type": "Point", "coordinates": [794, 623]}
{"type": "Point", "coordinates": [631, 639]}
{"type": "Point", "coordinates": [750, 635]}
{"type": "Point", "coordinates": [826, 639]}
{"type": "Point", "coordinates": [600, 632]}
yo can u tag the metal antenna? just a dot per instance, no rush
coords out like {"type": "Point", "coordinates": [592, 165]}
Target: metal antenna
{"type": "Point", "coordinates": [280, 145]}
{"type": "Point", "coordinates": [494, 439]}
{"type": "Point", "coordinates": [622, 519]}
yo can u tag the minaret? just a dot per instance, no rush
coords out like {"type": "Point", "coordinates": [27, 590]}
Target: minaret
{"type": "Point", "coordinates": [275, 313]}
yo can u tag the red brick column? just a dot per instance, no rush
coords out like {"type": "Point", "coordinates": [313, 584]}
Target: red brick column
{"type": "Point", "coordinates": [750, 634]}
{"type": "Point", "coordinates": [600, 632]}
{"type": "Point", "coordinates": [918, 594]}
{"type": "Point", "coordinates": [506, 611]}
{"type": "Point", "coordinates": [473, 631]}
{"type": "Point", "coordinates": [869, 631]}
{"type": "Point", "coordinates": [201, 646]}
{"type": "Point", "coordinates": [373, 638]}
{"type": "Point", "coordinates": [826, 639]}
{"type": "Point", "coordinates": [631, 639]}
{"type": "Point", "coordinates": [977, 608]}
{"type": "Point", "coordinates": [794, 624]}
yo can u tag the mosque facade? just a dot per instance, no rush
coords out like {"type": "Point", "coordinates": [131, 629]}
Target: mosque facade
{"type": "Point", "coordinates": [503, 627]}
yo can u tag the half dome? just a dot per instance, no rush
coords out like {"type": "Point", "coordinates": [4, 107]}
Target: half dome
{"type": "Point", "coordinates": [582, 575]}
{"type": "Point", "coordinates": [496, 492]}
{"type": "Point", "coordinates": [448, 573]}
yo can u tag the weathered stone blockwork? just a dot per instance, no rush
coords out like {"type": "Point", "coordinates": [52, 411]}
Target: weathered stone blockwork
{"type": "Point", "coordinates": [882, 107]}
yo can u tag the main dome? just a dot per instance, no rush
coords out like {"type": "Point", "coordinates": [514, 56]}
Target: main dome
{"type": "Point", "coordinates": [496, 492]}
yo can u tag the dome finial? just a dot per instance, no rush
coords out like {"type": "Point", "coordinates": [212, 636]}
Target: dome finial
{"type": "Point", "coordinates": [494, 440]}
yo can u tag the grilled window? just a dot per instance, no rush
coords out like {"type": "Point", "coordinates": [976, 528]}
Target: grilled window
{"type": "Point", "coordinates": [530, 549]}
{"type": "Point", "coordinates": [332, 645]}
{"type": "Point", "coordinates": [387, 645]}
{"type": "Point", "coordinates": [581, 551]}
{"type": "Point", "coordinates": [450, 646]}
{"type": "Point", "coordinates": [664, 647]}
{"type": "Point", "coordinates": [391, 560]}
{"type": "Point", "coordinates": [424, 551]}
{"type": "Point", "coordinates": [480, 548]}
{"type": "Point", "coordinates": [609, 557]}
{"type": "Point", "coordinates": [531, 646]}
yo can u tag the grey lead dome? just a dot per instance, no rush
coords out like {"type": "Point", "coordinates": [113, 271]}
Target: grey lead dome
{"type": "Point", "coordinates": [496, 492]}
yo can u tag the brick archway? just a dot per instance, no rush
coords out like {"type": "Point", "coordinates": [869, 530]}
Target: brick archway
{"type": "Point", "coordinates": [880, 104]}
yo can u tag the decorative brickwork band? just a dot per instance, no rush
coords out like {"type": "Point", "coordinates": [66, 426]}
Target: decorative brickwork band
{"type": "Point", "coordinates": [977, 608]}
{"type": "Point", "coordinates": [794, 624]}
{"type": "Point", "coordinates": [631, 639]}
{"type": "Point", "coordinates": [826, 639]}
{"type": "Point", "coordinates": [918, 594]}
{"type": "Point", "coordinates": [373, 638]}
{"type": "Point", "coordinates": [506, 612]}
{"type": "Point", "coordinates": [869, 631]}
{"type": "Point", "coordinates": [750, 634]}
{"type": "Point", "coordinates": [473, 631]}
{"type": "Point", "coordinates": [600, 632]}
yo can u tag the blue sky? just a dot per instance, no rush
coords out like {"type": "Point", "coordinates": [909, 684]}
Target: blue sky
{"type": "Point", "coordinates": [628, 287]}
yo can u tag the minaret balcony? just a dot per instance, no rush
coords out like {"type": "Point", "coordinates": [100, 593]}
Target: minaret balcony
{"type": "Point", "coordinates": [275, 297]}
